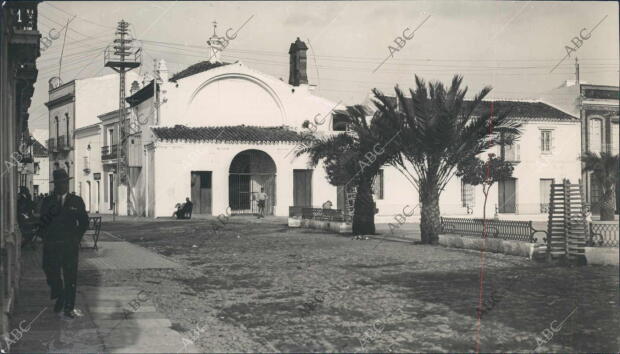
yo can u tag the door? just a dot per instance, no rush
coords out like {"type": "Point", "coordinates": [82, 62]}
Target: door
{"type": "Point", "coordinates": [302, 188]}
{"type": "Point", "coordinates": [201, 192]}
{"type": "Point", "coordinates": [111, 190]}
{"type": "Point", "coordinates": [507, 200]}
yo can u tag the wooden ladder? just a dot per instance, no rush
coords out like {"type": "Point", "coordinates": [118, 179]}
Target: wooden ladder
{"type": "Point", "coordinates": [350, 194]}
{"type": "Point", "coordinates": [566, 228]}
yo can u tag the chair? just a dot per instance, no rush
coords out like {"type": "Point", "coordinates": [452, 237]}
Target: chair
{"type": "Point", "coordinates": [94, 228]}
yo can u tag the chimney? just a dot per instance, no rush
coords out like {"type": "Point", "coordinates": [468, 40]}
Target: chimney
{"type": "Point", "coordinates": [135, 87]}
{"type": "Point", "coordinates": [297, 54]}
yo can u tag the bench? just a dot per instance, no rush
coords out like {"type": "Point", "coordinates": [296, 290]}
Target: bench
{"type": "Point", "coordinates": [94, 228]}
{"type": "Point", "coordinates": [501, 229]}
{"type": "Point", "coordinates": [315, 213]}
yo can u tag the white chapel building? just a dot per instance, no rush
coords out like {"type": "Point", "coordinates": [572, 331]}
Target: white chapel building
{"type": "Point", "coordinates": [218, 133]}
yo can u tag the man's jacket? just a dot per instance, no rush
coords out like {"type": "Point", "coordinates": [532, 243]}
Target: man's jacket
{"type": "Point", "coordinates": [66, 223]}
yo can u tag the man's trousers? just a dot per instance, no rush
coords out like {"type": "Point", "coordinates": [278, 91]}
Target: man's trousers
{"type": "Point", "coordinates": [57, 257]}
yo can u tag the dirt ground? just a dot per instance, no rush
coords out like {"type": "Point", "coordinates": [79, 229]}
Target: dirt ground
{"type": "Point", "coordinates": [257, 285]}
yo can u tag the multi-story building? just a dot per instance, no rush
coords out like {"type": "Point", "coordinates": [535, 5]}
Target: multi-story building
{"type": "Point", "coordinates": [75, 105]}
{"type": "Point", "coordinates": [599, 131]}
{"type": "Point", "coordinates": [19, 49]}
{"type": "Point", "coordinates": [546, 152]}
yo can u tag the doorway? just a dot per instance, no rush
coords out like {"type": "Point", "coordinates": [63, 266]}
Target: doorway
{"type": "Point", "coordinates": [507, 199]}
{"type": "Point", "coordinates": [250, 172]}
{"type": "Point", "coordinates": [302, 188]}
{"type": "Point", "coordinates": [201, 183]}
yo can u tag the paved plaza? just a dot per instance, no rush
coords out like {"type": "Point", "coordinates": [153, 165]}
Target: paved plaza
{"type": "Point", "coordinates": [256, 285]}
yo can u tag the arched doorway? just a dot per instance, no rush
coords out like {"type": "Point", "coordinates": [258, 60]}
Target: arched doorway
{"type": "Point", "coordinates": [250, 171]}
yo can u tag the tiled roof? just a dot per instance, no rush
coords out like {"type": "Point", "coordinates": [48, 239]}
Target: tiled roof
{"type": "Point", "coordinates": [38, 149]}
{"type": "Point", "coordinates": [195, 69]}
{"type": "Point", "coordinates": [239, 133]}
{"type": "Point", "coordinates": [522, 109]}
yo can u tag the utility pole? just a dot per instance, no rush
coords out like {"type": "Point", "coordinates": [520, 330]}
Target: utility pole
{"type": "Point", "coordinates": [122, 57]}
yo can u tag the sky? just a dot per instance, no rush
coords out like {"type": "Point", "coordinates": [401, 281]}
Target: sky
{"type": "Point", "coordinates": [510, 46]}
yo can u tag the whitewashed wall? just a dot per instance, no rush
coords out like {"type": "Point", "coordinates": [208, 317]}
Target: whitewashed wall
{"type": "Point", "coordinates": [173, 163]}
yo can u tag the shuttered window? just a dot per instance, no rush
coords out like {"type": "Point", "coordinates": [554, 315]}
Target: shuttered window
{"type": "Point", "coordinates": [596, 140]}
{"type": "Point", "coordinates": [615, 147]}
{"type": "Point", "coordinates": [545, 141]}
{"type": "Point", "coordinates": [467, 195]}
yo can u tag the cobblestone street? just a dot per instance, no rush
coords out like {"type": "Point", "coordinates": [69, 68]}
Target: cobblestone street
{"type": "Point", "coordinates": [258, 286]}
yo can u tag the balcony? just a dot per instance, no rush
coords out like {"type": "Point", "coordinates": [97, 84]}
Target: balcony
{"type": "Point", "coordinates": [51, 145]}
{"type": "Point", "coordinates": [109, 152]}
{"type": "Point", "coordinates": [64, 143]}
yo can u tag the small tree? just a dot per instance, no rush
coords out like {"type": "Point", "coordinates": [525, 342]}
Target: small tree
{"type": "Point", "coordinates": [474, 171]}
{"type": "Point", "coordinates": [604, 168]}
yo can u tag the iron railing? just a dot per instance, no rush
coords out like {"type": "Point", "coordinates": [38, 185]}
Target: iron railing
{"type": "Point", "coordinates": [316, 213]}
{"type": "Point", "coordinates": [603, 235]}
{"type": "Point", "coordinates": [501, 229]}
{"type": "Point", "coordinates": [109, 152]}
{"type": "Point", "coordinates": [64, 143]}
{"type": "Point", "coordinates": [51, 145]}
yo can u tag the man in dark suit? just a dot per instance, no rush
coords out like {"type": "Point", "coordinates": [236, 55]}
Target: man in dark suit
{"type": "Point", "coordinates": [62, 225]}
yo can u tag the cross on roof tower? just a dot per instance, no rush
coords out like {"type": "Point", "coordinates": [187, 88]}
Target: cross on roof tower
{"type": "Point", "coordinates": [216, 45]}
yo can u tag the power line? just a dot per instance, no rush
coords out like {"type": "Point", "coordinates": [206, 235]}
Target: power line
{"type": "Point", "coordinates": [79, 17]}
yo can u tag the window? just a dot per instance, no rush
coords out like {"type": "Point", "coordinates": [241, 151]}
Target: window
{"type": "Point", "coordinates": [377, 185]}
{"type": "Point", "coordinates": [57, 127]}
{"type": "Point", "coordinates": [545, 141]}
{"type": "Point", "coordinates": [339, 125]}
{"type": "Point", "coordinates": [67, 121]}
{"type": "Point", "coordinates": [596, 140]}
{"type": "Point", "coordinates": [111, 139]}
{"type": "Point", "coordinates": [467, 195]}
{"type": "Point", "coordinates": [545, 190]}
{"type": "Point", "coordinates": [36, 168]}
{"type": "Point", "coordinates": [614, 139]}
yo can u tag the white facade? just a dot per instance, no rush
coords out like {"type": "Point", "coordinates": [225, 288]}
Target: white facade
{"type": "Point", "coordinates": [229, 95]}
{"type": "Point", "coordinates": [74, 105]}
{"type": "Point", "coordinates": [88, 167]}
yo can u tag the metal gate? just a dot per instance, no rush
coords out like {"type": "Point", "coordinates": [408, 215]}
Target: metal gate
{"type": "Point", "coordinates": [250, 171]}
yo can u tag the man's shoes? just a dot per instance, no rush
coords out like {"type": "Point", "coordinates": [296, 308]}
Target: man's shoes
{"type": "Point", "coordinates": [59, 304]}
{"type": "Point", "coordinates": [73, 314]}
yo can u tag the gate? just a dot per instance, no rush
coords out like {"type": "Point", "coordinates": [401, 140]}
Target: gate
{"type": "Point", "coordinates": [250, 171]}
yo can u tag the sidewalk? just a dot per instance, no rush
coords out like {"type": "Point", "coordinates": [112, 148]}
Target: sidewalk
{"type": "Point", "coordinates": [116, 319]}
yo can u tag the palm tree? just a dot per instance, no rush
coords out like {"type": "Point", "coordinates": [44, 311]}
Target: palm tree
{"type": "Point", "coordinates": [353, 158]}
{"type": "Point", "coordinates": [439, 129]}
{"type": "Point", "coordinates": [604, 168]}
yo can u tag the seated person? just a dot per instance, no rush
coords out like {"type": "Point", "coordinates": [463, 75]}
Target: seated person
{"type": "Point", "coordinates": [177, 212]}
{"type": "Point", "coordinates": [183, 210]}
{"type": "Point", "coordinates": [327, 205]}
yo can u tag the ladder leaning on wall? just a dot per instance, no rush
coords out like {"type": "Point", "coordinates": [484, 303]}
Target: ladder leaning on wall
{"type": "Point", "coordinates": [566, 228]}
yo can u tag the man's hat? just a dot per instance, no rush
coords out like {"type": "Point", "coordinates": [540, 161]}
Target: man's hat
{"type": "Point", "coordinates": [60, 175]}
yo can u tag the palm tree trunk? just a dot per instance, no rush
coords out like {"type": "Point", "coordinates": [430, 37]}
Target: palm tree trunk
{"type": "Point", "coordinates": [430, 217]}
{"type": "Point", "coordinates": [608, 205]}
{"type": "Point", "coordinates": [364, 214]}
